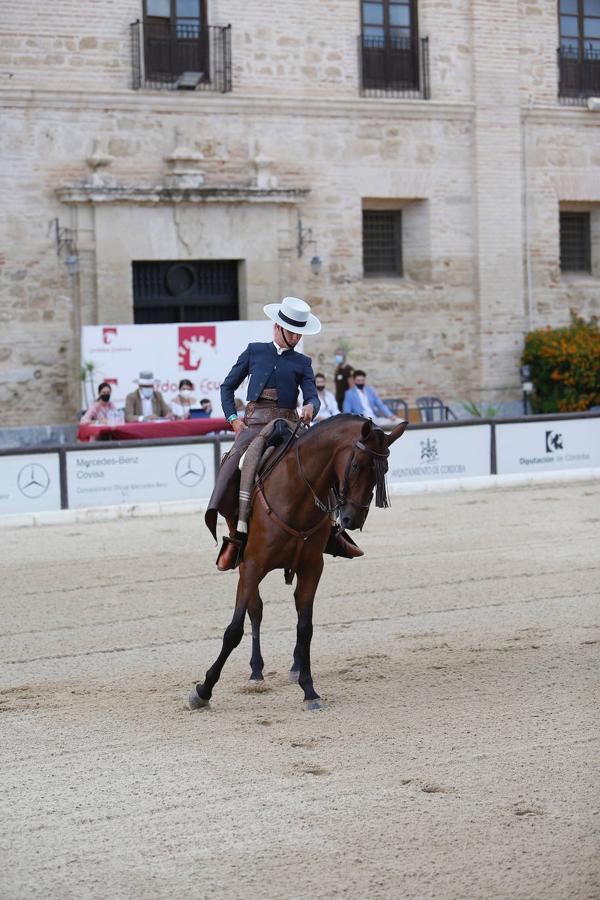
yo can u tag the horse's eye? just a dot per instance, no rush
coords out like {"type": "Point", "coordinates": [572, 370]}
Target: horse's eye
{"type": "Point", "coordinates": [355, 467]}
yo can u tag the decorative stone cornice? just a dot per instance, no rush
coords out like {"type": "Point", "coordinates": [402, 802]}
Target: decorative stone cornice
{"type": "Point", "coordinates": [238, 103]}
{"type": "Point", "coordinates": [161, 194]}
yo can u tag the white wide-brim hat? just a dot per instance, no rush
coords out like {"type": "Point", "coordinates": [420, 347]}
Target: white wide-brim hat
{"type": "Point", "coordinates": [294, 315]}
{"type": "Point", "coordinates": [146, 379]}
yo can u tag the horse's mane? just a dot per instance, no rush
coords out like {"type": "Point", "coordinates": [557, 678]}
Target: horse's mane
{"type": "Point", "coordinates": [343, 419]}
{"type": "Point", "coordinates": [330, 424]}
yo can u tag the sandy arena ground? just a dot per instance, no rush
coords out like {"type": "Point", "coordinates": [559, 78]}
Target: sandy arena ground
{"type": "Point", "coordinates": [458, 756]}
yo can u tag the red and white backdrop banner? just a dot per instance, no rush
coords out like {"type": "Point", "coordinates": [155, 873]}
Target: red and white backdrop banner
{"type": "Point", "coordinates": [204, 353]}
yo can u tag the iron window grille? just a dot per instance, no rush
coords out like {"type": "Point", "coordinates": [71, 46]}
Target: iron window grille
{"type": "Point", "coordinates": [181, 55]}
{"type": "Point", "coordinates": [194, 291]}
{"type": "Point", "coordinates": [575, 242]}
{"type": "Point", "coordinates": [393, 61]}
{"type": "Point", "coordinates": [382, 242]}
{"type": "Point", "coordinates": [579, 50]}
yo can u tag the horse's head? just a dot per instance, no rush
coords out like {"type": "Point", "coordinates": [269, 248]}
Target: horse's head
{"type": "Point", "coordinates": [361, 469]}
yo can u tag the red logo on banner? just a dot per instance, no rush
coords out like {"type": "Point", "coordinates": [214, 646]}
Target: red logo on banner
{"type": "Point", "coordinates": [108, 334]}
{"type": "Point", "coordinates": [113, 381]}
{"type": "Point", "coordinates": [193, 341]}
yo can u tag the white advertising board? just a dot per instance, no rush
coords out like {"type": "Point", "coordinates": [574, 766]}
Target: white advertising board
{"type": "Point", "coordinates": [204, 353]}
{"type": "Point", "coordinates": [29, 484]}
{"type": "Point", "coordinates": [547, 446]}
{"type": "Point", "coordinates": [430, 454]}
{"type": "Point", "coordinates": [140, 475]}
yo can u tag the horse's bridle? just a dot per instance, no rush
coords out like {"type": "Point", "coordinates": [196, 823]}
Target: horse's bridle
{"type": "Point", "coordinates": [343, 497]}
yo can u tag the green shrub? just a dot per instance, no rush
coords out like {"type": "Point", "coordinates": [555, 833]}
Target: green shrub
{"type": "Point", "coordinates": [565, 366]}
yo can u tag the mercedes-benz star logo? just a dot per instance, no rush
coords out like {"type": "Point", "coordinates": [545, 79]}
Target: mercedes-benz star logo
{"type": "Point", "coordinates": [33, 480]}
{"type": "Point", "coordinates": [190, 470]}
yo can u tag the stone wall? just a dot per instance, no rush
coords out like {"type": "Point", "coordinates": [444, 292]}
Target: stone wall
{"type": "Point", "coordinates": [481, 261]}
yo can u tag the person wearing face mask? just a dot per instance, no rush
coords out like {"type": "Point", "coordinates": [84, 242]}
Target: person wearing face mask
{"type": "Point", "coordinates": [329, 407]}
{"type": "Point", "coordinates": [98, 413]}
{"type": "Point", "coordinates": [363, 400]}
{"type": "Point", "coordinates": [182, 403]}
{"type": "Point", "coordinates": [146, 404]}
{"type": "Point", "coordinates": [342, 376]}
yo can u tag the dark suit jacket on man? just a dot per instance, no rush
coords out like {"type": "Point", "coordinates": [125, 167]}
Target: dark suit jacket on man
{"type": "Point", "coordinates": [133, 406]}
{"type": "Point", "coordinates": [293, 371]}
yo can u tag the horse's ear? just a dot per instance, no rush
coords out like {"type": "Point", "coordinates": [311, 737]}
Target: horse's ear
{"type": "Point", "coordinates": [366, 429]}
{"type": "Point", "coordinates": [396, 433]}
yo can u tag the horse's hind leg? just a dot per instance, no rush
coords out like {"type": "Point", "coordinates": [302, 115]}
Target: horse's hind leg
{"type": "Point", "coordinates": [257, 663]}
{"type": "Point", "coordinates": [304, 596]}
{"type": "Point", "coordinates": [234, 632]}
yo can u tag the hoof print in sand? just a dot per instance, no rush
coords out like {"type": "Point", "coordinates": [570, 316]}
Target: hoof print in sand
{"type": "Point", "coordinates": [304, 769]}
{"type": "Point", "coordinates": [527, 809]}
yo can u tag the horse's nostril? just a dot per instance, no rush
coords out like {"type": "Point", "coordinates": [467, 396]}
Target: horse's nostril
{"type": "Point", "coordinates": [346, 521]}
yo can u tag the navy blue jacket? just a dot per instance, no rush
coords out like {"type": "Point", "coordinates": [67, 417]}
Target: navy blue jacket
{"type": "Point", "coordinates": [292, 370]}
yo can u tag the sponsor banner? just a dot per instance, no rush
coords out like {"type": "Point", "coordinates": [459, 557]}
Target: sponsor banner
{"type": "Point", "coordinates": [437, 453]}
{"type": "Point", "coordinates": [140, 475]}
{"type": "Point", "coordinates": [29, 484]}
{"type": "Point", "coordinates": [204, 353]}
{"type": "Point", "coordinates": [547, 446]}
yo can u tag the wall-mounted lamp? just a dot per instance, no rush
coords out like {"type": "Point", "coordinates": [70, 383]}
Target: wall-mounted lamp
{"type": "Point", "coordinates": [305, 236]}
{"type": "Point", "coordinates": [65, 240]}
{"type": "Point", "coordinates": [316, 264]}
{"type": "Point", "coordinates": [72, 264]}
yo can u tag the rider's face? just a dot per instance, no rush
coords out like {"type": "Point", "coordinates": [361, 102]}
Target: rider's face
{"type": "Point", "coordinates": [290, 337]}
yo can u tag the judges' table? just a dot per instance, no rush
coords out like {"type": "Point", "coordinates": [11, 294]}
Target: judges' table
{"type": "Point", "coordinates": [136, 431]}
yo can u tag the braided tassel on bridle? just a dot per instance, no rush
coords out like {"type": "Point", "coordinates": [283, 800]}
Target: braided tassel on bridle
{"type": "Point", "coordinates": [382, 497]}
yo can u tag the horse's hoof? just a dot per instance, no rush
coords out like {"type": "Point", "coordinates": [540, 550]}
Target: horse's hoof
{"type": "Point", "coordinates": [256, 677]}
{"type": "Point", "coordinates": [293, 676]}
{"type": "Point", "coordinates": [317, 703]}
{"type": "Point", "coordinates": [196, 702]}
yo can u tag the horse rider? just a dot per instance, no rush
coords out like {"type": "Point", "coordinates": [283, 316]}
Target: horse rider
{"type": "Point", "coordinates": [276, 370]}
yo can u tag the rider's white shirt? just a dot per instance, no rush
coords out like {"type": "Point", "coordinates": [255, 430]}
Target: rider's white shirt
{"type": "Point", "coordinates": [369, 413]}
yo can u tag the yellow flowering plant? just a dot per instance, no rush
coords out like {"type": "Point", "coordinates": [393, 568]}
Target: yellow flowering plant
{"type": "Point", "coordinates": [565, 366]}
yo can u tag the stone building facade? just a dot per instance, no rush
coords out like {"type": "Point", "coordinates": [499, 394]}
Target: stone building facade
{"type": "Point", "coordinates": [279, 165]}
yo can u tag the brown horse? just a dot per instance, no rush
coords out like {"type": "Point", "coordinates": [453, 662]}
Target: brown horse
{"type": "Point", "coordinates": [344, 458]}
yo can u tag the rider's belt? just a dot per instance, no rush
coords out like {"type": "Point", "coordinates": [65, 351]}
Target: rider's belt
{"type": "Point", "coordinates": [263, 411]}
{"type": "Point", "coordinates": [269, 394]}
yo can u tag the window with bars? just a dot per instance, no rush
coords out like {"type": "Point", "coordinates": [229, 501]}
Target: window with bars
{"type": "Point", "coordinates": [575, 242]}
{"type": "Point", "coordinates": [389, 45]}
{"type": "Point", "coordinates": [175, 39]}
{"type": "Point", "coordinates": [579, 51]}
{"type": "Point", "coordinates": [195, 291]}
{"type": "Point", "coordinates": [382, 242]}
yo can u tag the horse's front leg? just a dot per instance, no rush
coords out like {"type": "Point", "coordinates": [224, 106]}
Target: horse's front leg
{"type": "Point", "coordinates": [247, 588]}
{"type": "Point", "coordinates": [304, 595]}
{"type": "Point", "coordinates": [257, 663]}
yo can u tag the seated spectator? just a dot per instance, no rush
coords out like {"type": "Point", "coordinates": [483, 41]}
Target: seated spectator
{"type": "Point", "coordinates": [184, 400]}
{"type": "Point", "coordinates": [362, 400]}
{"type": "Point", "coordinates": [206, 407]}
{"type": "Point", "coordinates": [98, 413]}
{"type": "Point", "coordinates": [328, 407]}
{"type": "Point", "coordinates": [146, 404]}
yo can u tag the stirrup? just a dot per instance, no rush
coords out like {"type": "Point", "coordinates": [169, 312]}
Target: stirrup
{"type": "Point", "coordinates": [232, 552]}
{"type": "Point", "coordinates": [341, 544]}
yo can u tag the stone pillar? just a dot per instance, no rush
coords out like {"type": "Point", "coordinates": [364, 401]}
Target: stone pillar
{"type": "Point", "coordinates": [497, 188]}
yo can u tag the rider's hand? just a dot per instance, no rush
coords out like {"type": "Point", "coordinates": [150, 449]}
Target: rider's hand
{"type": "Point", "coordinates": [238, 425]}
{"type": "Point", "coordinates": [308, 412]}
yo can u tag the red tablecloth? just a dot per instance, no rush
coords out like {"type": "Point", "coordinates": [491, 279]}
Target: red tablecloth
{"type": "Point", "coordinates": [135, 431]}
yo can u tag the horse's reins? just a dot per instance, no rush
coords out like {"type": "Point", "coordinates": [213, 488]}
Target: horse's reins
{"type": "Point", "coordinates": [342, 498]}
